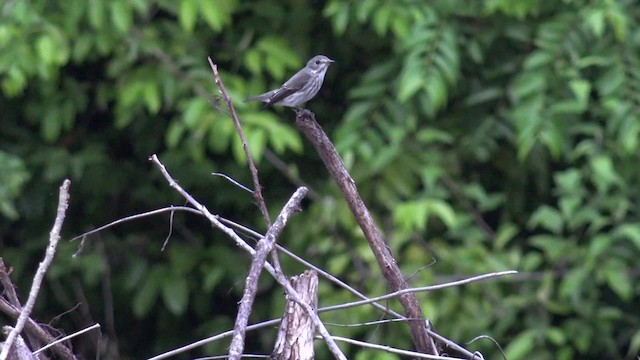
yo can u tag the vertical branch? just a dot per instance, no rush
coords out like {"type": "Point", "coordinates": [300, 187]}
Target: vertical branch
{"type": "Point", "coordinates": [306, 122]}
{"type": "Point", "coordinates": [264, 247]}
{"type": "Point", "coordinates": [295, 336]}
{"type": "Point", "coordinates": [54, 237]}
{"type": "Point", "coordinates": [257, 192]}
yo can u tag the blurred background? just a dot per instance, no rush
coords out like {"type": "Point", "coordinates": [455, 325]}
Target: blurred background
{"type": "Point", "coordinates": [484, 135]}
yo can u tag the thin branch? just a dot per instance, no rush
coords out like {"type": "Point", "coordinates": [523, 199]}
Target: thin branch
{"type": "Point", "coordinates": [264, 247]}
{"type": "Point", "coordinates": [402, 292]}
{"type": "Point", "coordinates": [257, 192]}
{"type": "Point", "coordinates": [135, 217]}
{"type": "Point", "coordinates": [54, 237]}
{"type": "Point", "coordinates": [504, 356]}
{"type": "Point", "coordinates": [392, 350]}
{"type": "Point", "coordinates": [166, 239]}
{"type": "Point", "coordinates": [208, 340]}
{"type": "Point", "coordinates": [96, 326]}
{"type": "Point", "coordinates": [234, 182]}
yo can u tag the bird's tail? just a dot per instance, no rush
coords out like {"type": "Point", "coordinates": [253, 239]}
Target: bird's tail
{"type": "Point", "coordinates": [262, 97]}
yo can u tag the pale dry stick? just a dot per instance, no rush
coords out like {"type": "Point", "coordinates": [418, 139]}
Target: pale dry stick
{"type": "Point", "coordinates": [95, 326]}
{"type": "Point", "coordinates": [245, 356]}
{"type": "Point", "coordinates": [54, 237]}
{"type": "Point", "coordinates": [279, 276]}
{"type": "Point", "coordinates": [233, 181]}
{"type": "Point", "coordinates": [212, 339]}
{"type": "Point", "coordinates": [257, 188]}
{"type": "Point", "coordinates": [399, 293]}
{"type": "Point", "coordinates": [393, 350]}
{"type": "Point", "coordinates": [264, 247]}
{"type": "Point", "coordinates": [136, 216]}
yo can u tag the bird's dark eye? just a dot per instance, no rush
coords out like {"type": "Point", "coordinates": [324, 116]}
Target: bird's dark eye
{"type": "Point", "coordinates": [317, 62]}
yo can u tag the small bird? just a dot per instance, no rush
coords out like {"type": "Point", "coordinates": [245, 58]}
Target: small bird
{"type": "Point", "coordinates": [302, 86]}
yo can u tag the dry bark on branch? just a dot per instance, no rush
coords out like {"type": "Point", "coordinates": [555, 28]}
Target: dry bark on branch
{"type": "Point", "coordinates": [295, 336]}
{"type": "Point", "coordinates": [306, 122]}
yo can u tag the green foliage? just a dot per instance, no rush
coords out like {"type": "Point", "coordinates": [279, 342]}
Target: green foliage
{"type": "Point", "coordinates": [484, 136]}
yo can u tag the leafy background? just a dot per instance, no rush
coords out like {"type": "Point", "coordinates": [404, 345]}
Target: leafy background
{"type": "Point", "coordinates": [484, 135]}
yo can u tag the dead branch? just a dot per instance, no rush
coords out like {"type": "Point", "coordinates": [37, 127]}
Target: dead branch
{"type": "Point", "coordinates": [264, 247]}
{"type": "Point", "coordinates": [306, 122]}
{"type": "Point", "coordinates": [257, 192]}
{"type": "Point", "coordinates": [295, 336]}
{"type": "Point", "coordinates": [54, 237]}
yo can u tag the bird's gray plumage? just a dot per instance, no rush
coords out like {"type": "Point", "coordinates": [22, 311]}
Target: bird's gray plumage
{"type": "Point", "coordinates": [300, 88]}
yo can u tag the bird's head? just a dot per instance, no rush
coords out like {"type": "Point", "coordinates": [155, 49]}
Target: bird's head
{"type": "Point", "coordinates": [319, 63]}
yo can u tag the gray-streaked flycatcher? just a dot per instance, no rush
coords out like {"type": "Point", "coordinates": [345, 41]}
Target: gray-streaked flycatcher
{"type": "Point", "coordinates": [302, 86]}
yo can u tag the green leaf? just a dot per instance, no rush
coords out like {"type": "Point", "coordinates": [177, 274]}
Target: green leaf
{"type": "Point", "coordinates": [152, 97]}
{"type": "Point", "coordinates": [145, 298]}
{"type": "Point", "coordinates": [96, 13]}
{"type": "Point", "coordinates": [175, 294]}
{"type": "Point", "coordinates": [411, 80]}
{"type": "Point", "coordinates": [121, 15]}
{"type": "Point", "coordinates": [521, 346]}
{"type": "Point", "coordinates": [604, 174]}
{"type": "Point", "coordinates": [554, 247]}
{"type": "Point", "coordinates": [547, 218]}
{"type": "Point", "coordinates": [617, 278]}
{"type": "Point", "coordinates": [216, 14]}
{"type": "Point", "coordinates": [188, 14]}
{"type": "Point", "coordinates": [527, 84]}
{"type": "Point", "coordinates": [175, 133]}
{"type": "Point", "coordinates": [573, 283]}
{"type": "Point", "coordinates": [505, 234]}
{"type": "Point", "coordinates": [52, 125]}
{"type": "Point", "coordinates": [46, 49]}
{"type": "Point", "coordinates": [629, 231]}
{"type": "Point", "coordinates": [339, 12]}
{"type": "Point", "coordinates": [13, 177]}
{"type": "Point", "coordinates": [194, 111]}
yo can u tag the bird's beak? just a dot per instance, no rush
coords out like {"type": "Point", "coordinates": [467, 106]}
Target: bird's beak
{"type": "Point", "coordinates": [330, 61]}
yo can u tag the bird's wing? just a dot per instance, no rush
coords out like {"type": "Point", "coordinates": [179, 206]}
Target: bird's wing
{"type": "Point", "coordinates": [295, 83]}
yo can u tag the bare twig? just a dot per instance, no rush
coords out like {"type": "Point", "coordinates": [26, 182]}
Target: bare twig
{"type": "Point", "coordinates": [264, 247]}
{"type": "Point", "coordinates": [402, 292]}
{"type": "Point", "coordinates": [233, 181]}
{"type": "Point", "coordinates": [296, 333]}
{"type": "Point", "coordinates": [305, 120]}
{"type": "Point", "coordinates": [54, 237]}
{"type": "Point", "coordinates": [257, 192]}
{"type": "Point", "coordinates": [95, 326]}
{"type": "Point", "coordinates": [134, 217]}
{"type": "Point", "coordinates": [394, 350]}
{"type": "Point", "coordinates": [212, 339]}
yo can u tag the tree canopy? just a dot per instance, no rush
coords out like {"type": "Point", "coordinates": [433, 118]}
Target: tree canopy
{"type": "Point", "coordinates": [483, 135]}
